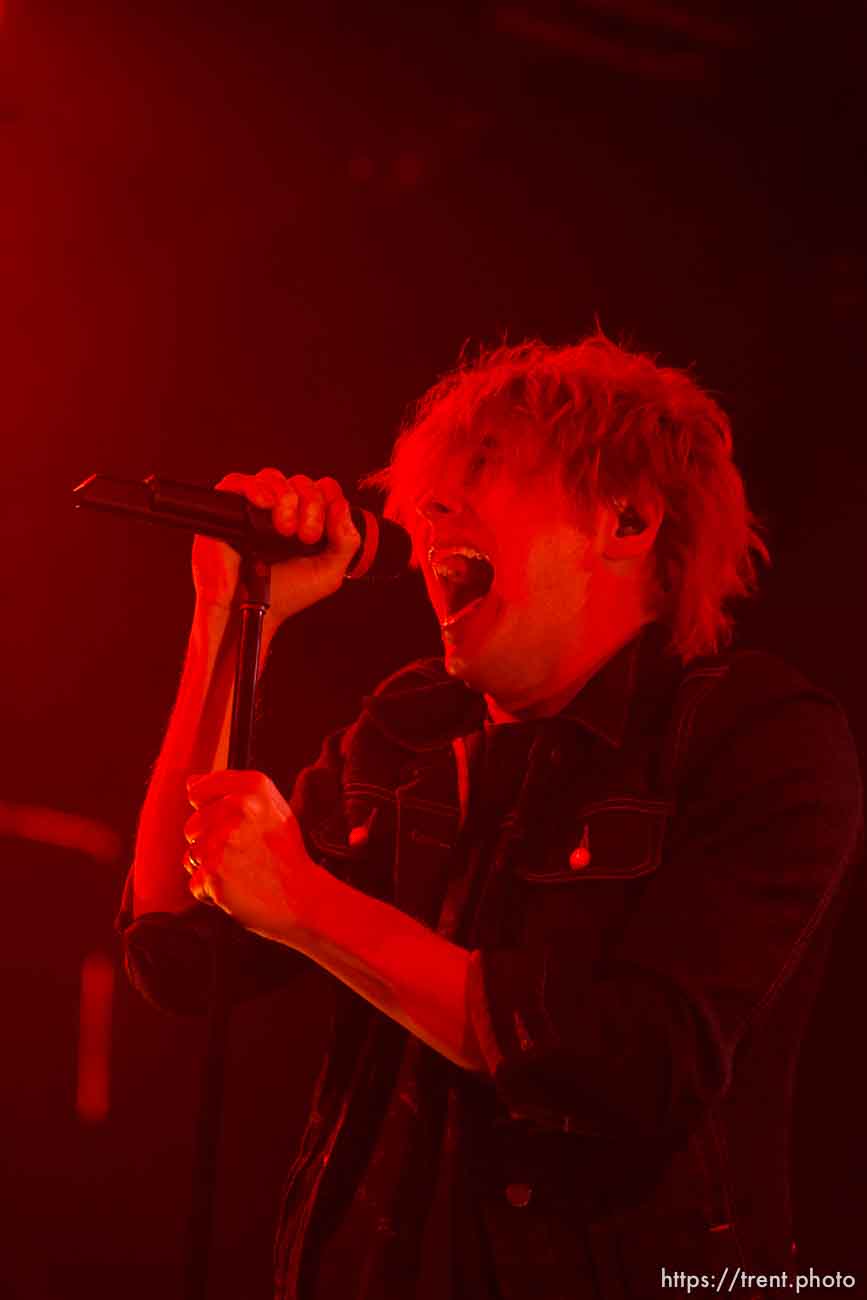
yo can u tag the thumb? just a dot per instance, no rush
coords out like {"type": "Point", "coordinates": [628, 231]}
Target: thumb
{"type": "Point", "coordinates": [344, 538]}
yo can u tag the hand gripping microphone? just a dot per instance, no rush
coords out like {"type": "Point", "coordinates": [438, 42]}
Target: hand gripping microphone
{"type": "Point", "coordinates": [384, 551]}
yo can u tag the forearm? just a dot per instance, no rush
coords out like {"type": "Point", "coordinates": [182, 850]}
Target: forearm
{"type": "Point", "coordinates": [196, 740]}
{"type": "Point", "coordinates": [410, 973]}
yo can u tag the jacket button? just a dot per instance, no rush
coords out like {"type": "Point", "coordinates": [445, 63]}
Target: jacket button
{"type": "Point", "coordinates": [581, 856]}
{"type": "Point", "coordinates": [359, 835]}
{"type": "Point", "coordinates": [519, 1194]}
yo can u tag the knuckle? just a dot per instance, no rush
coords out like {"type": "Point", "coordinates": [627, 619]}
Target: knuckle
{"type": "Point", "coordinates": [233, 811]}
{"type": "Point", "coordinates": [330, 489]}
{"type": "Point", "coordinates": [271, 478]}
{"type": "Point", "coordinates": [222, 813]}
{"type": "Point", "coordinates": [284, 517]}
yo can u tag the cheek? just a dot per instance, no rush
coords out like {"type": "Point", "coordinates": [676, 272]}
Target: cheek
{"type": "Point", "coordinates": [559, 572]}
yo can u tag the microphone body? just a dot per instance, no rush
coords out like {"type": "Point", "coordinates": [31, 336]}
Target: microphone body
{"type": "Point", "coordinates": [384, 551]}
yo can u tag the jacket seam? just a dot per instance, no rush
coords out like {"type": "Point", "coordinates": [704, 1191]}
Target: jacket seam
{"type": "Point", "coordinates": [617, 803]}
{"type": "Point", "coordinates": [728, 1206]}
{"type": "Point", "coordinates": [686, 720]}
{"type": "Point", "coordinates": [562, 876]}
{"type": "Point", "coordinates": [795, 951]}
{"type": "Point", "coordinates": [428, 805]}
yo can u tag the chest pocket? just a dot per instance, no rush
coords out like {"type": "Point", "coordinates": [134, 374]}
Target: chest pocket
{"type": "Point", "coordinates": [356, 839]}
{"type": "Point", "coordinates": [618, 838]}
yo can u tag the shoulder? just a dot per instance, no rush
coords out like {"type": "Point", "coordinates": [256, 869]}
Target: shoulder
{"type": "Point", "coordinates": [755, 706]}
{"type": "Point", "coordinates": [736, 688]}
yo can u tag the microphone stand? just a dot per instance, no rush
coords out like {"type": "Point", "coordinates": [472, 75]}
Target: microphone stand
{"type": "Point", "coordinates": [256, 580]}
{"type": "Point", "coordinates": [250, 531]}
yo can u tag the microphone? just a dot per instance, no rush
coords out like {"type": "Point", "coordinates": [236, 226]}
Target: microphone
{"type": "Point", "coordinates": [384, 551]}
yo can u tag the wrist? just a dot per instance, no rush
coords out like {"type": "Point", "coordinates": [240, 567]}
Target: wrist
{"type": "Point", "coordinates": [315, 922]}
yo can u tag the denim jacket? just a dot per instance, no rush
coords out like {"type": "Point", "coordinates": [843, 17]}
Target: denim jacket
{"type": "Point", "coordinates": [648, 937]}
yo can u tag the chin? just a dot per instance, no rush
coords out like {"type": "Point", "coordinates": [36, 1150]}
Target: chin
{"type": "Point", "coordinates": [473, 648]}
{"type": "Point", "coordinates": [465, 667]}
{"type": "Point", "coordinates": [475, 669]}
{"type": "Point", "coordinates": [457, 665]}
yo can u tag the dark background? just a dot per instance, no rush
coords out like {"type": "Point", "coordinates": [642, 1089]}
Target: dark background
{"type": "Point", "coordinates": [244, 235]}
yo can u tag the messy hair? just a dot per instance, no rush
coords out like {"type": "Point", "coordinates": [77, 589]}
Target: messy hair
{"type": "Point", "coordinates": [615, 425]}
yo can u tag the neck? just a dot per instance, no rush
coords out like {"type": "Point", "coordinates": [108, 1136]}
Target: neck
{"type": "Point", "coordinates": [548, 698]}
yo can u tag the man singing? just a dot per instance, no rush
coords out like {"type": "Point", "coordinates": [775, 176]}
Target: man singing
{"type": "Point", "coordinates": [576, 878]}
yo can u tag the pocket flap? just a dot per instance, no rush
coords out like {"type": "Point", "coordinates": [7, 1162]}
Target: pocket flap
{"type": "Point", "coordinates": [612, 839]}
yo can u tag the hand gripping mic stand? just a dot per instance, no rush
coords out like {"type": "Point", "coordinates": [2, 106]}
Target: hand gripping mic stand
{"type": "Point", "coordinates": [256, 584]}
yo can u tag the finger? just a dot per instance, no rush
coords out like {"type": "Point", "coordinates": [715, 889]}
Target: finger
{"type": "Point", "coordinates": [209, 851]}
{"type": "Point", "coordinates": [206, 789]}
{"type": "Point", "coordinates": [224, 821]}
{"type": "Point", "coordinates": [285, 513]}
{"type": "Point", "coordinates": [193, 828]}
{"type": "Point", "coordinates": [272, 479]}
{"type": "Point", "coordinates": [220, 824]}
{"type": "Point", "coordinates": [300, 483]}
{"type": "Point", "coordinates": [209, 829]}
{"type": "Point", "coordinates": [231, 482]}
{"type": "Point", "coordinates": [297, 501]}
{"type": "Point", "coordinates": [191, 861]}
{"type": "Point", "coordinates": [272, 486]}
{"type": "Point", "coordinates": [311, 508]}
{"type": "Point", "coordinates": [204, 888]}
{"type": "Point", "coordinates": [289, 490]}
{"type": "Point", "coordinates": [258, 491]}
{"type": "Point", "coordinates": [330, 489]}
{"type": "Point", "coordinates": [343, 537]}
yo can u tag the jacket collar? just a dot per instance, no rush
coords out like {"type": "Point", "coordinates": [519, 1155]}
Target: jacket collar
{"type": "Point", "coordinates": [602, 705]}
{"type": "Point", "coordinates": [423, 708]}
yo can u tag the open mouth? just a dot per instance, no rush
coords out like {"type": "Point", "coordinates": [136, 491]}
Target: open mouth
{"type": "Point", "coordinates": [465, 576]}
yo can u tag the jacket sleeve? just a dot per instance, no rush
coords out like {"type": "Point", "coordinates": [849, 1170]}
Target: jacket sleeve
{"type": "Point", "coordinates": [640, 1036]}
{"type": "Point", "coordinates": [170, 958]}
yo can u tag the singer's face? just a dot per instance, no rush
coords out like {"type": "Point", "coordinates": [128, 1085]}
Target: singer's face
{"type": "Point", "coordinates": [518, 608]}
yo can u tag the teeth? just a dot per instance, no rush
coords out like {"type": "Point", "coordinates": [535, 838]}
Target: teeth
{"type": "Point", "coordinates": [437, 557]}
{"type": "Point", "coordinates": [443, 553]}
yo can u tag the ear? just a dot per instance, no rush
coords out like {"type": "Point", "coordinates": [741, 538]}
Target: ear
{"type": "Point", "coordinates": [628, 531]}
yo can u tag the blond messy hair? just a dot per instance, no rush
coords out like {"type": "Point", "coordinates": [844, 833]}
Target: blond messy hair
{"type": "Point", "coordinates": [616, 425]}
